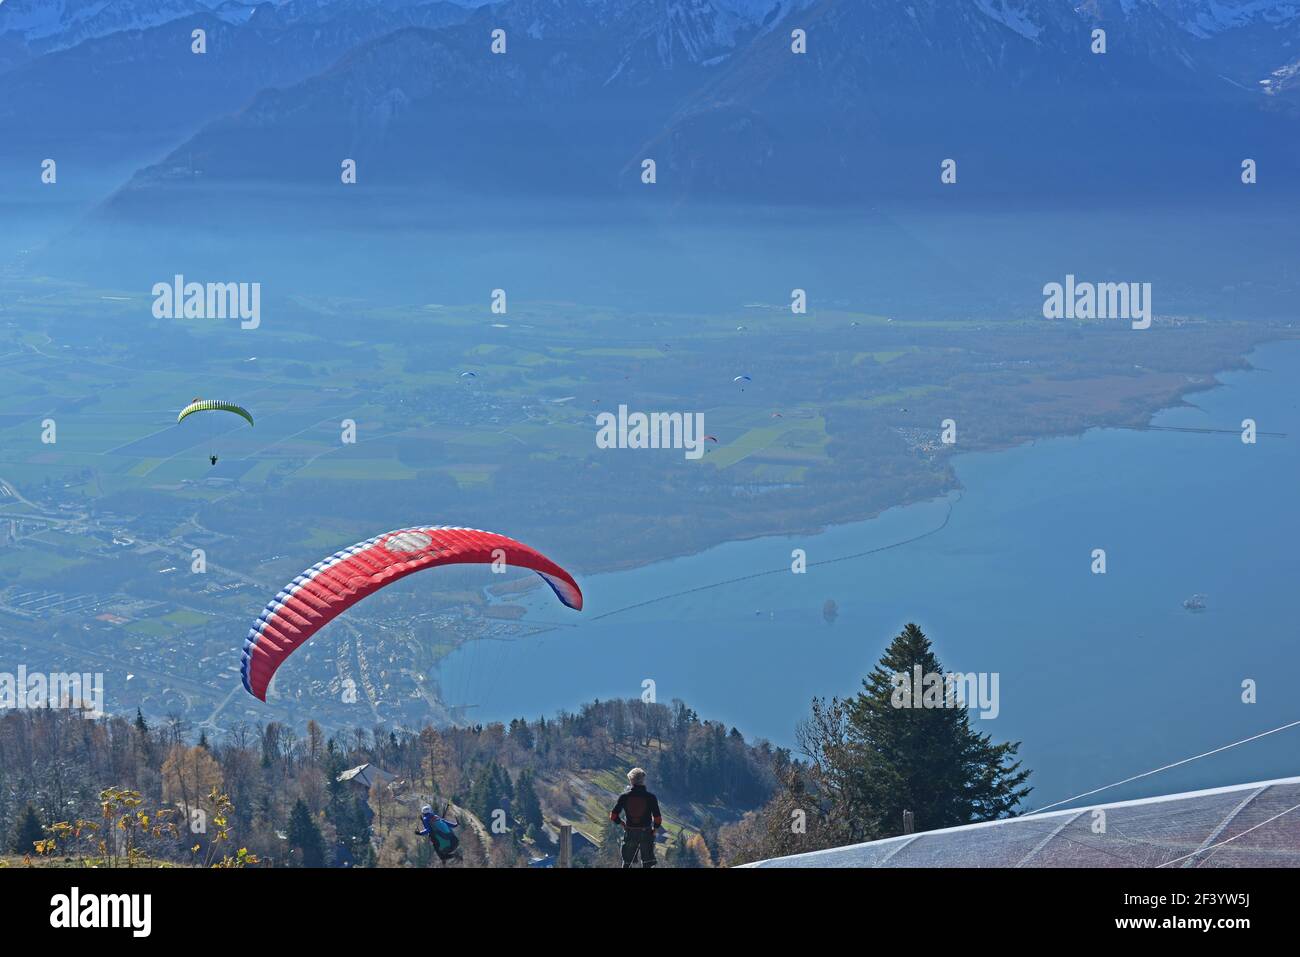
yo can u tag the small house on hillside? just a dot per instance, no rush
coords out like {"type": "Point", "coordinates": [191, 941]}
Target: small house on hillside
{"type": "Point", "coordinates": [365, 776]}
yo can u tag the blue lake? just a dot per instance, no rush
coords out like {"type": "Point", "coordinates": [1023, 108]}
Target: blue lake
{"type": "Point", "coordinates": [1101, 676]}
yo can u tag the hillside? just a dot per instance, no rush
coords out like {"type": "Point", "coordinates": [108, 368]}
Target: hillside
{"type": "Point", "coordinates": [353, 798]}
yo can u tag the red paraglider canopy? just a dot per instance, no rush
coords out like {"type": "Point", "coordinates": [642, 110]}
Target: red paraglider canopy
{"type": "Point", "coordinates": [329, 588]}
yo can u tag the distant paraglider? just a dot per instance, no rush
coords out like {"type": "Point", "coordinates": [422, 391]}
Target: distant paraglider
{"type": "Point", "coordinates": [330, 587]}
{"type": "Point", "coordinates": [213, 405]}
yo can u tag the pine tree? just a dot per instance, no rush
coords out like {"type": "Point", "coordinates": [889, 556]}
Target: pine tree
{"type": "Point", "coordinates": [876, 757]}
{"type": "Point", "coordinates": [358, 833]}
{"type": "Point", "coordinates": [708, 838]}
{"type": "Point", "coordinates": [142, 735]}
{"type": "Point", "coordinates": [27, 832]}
{"type": "Point", "coordinates": [491, 791]}
{"type": "Point", "coordinates": [337, 791]}
{"type": "Point", "coordinates": [305, 837]}
{"type": "Point", "coordinates": [527, 804]}
{"type": "Point", "coordinates": [519, 734]}
{"type": "Point", "coordinates": [480, 794]}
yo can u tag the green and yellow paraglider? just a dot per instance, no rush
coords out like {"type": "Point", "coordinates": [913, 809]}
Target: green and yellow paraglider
{"type": "Point", "coordinates": [214, 405]}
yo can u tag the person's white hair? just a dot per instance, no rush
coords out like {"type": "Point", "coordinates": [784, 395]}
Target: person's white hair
{"type": "Point", "coordinates": [636, 776]}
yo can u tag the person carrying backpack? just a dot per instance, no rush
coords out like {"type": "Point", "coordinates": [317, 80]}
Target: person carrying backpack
{"type": "Point", "coordinates": [442, 834]}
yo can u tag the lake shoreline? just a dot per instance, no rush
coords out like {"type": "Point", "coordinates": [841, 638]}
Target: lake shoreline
{"type": "Point", "coordinates": [1140, 417]}
{"type": "Point", "coordinates": [1102, 676]}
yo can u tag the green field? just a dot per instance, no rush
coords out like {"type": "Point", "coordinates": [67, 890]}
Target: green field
{"type": "Point", "coordinates": [515, 446]}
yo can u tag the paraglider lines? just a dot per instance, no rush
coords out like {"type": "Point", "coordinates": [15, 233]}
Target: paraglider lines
{"type": "Point", "coordinates": [783, 569]}
{"type": "Point", "coordinates": [1147, 774]}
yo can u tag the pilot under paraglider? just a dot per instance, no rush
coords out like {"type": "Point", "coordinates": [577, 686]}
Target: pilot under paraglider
{"type": "Point", "coordinates": [212, 405]}
{"type": "Point", "coordinates": [441, 835]}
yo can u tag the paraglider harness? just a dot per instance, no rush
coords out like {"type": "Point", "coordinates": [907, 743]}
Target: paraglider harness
{"type": "Point", "coordinates": [441, 835]}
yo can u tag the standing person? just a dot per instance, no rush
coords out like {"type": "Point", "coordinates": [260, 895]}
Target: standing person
{"type": "Point", "coordinates": [641, 809]}
{"type": "Point", "coordinates": [441, 834]}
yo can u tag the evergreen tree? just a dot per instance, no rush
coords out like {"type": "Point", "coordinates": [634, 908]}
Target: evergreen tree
{"type": "Point", "coordinates": [27, 832]}
{"type": "Point", "coordinates": [491, 791]}
{"type": "Point", "coordinates": [305, 837]}
{"type": "Point", "coordinates": [542, 743]}
{"type": "Point", "coordinates": [358, 832]}
{"type": "Point", "coordinates": [521, 734]}
{"type": "Point", "coordinates": [479, 800]}
{"type": "Point", "coordinates": [709, 838]}
{"type": "Point", "coordinates": [142, 735]}
{"type": "Point", "coordinates": [337, 791]}
{"type": "Point", "coordinates": [885, 751]}
{"type": "Point", "coordinates": [527, 804]}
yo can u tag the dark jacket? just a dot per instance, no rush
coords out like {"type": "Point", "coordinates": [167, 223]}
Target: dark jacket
{"type": "Point", "coordinates": [640, 807]}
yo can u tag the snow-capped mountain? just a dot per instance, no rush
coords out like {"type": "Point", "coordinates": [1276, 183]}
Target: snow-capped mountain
{"type": "Point", "coordinates": [1208, 18]}
{"type": "Point", "coordinates": [710, 88]}
{"type": "Point", "coordinates": [636, 36]}
{"type": "Point", "coordinates": [29, 28]}
{"type": "Point", "coordinates": [581, 82]}
{"type": "Point", "coordinates": [1254, 44]}
{"type": "Point", "coordinates": [142, 83]}
{"type": "Point", "coordinates": [42, 26]}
